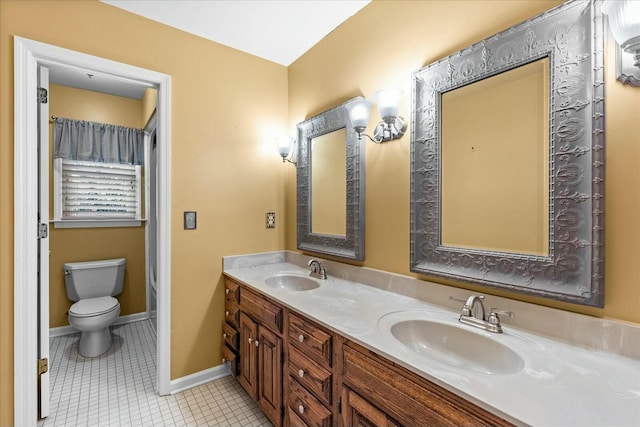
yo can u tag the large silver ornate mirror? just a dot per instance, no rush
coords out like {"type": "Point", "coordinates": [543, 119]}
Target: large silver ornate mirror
{"type": "Point", "coordinates": [330, 177]}
{"type": "Point", "coordinates": [507, 160]}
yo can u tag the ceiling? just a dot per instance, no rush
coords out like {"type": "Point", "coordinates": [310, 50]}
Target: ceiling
{"type": "Point", "coordinates": [276, 30]}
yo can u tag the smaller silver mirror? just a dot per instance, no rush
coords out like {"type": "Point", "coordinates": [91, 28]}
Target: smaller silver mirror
{"type": "Point", "coordinates": [330, 186]}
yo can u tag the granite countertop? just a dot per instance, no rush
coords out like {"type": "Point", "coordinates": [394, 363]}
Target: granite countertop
{"type": "Point", "coordinates": [559, 385]}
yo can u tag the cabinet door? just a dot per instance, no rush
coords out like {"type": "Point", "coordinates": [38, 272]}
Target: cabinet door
{"type": "Point", "coordinates": [270, 374]}
{"type": "Point", "coordinates": [248, 355]}
{"type": "Point", "coordinates": [357, 412]}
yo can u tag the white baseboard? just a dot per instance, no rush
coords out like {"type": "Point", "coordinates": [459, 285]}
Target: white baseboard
{"type": "Point", "coordinates": [68, 330]}
{"type": "Point", "coordinates": [199, 378]}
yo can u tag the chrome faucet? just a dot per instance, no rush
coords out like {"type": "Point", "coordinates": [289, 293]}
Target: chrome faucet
{"type": "Point", "coordinates": [473, 313]}
{"type": "Point", "coordinates": [317, 269]}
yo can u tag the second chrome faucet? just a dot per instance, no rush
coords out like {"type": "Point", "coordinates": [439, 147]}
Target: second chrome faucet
{"type": "Point", "coordinates": [473, 313]}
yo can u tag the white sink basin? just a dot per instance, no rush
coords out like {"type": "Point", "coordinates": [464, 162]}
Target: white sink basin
{"type": "Point", "coordinates": [290, 282]}
{"type": "Point", "coordinates": [453, 344]}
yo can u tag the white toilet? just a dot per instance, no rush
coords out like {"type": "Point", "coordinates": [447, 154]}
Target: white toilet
{"type": "Point", "coordinates": [93, 285]}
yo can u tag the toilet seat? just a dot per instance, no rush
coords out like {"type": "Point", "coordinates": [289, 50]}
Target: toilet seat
{"type": "Point", "coordinates": [94, 306]}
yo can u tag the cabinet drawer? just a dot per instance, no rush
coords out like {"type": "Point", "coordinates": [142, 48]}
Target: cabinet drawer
{"type": "Point", "coordinates": [232, 314]}
{"type": "Point", "coordinates": [406, 397]}
{"type": "Point", "coordinates": [232, 291]}
{"type": "Point", "coordinates": [262, 310]}
{"type": "Point", "coordinates": [311, 375]}
{"type": "Point", "coordinates": [306, 407]}
{"type": "Point", "coordinates": [228, 355]}
{"type": "Point", "coordinates": [294, 419]}
{"type": "Point", "coordinates": [230, 336]}
{"type": "Point", "coordinates": [314, 341]}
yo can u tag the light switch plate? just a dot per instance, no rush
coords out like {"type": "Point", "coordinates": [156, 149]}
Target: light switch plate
{"type": "Point", "coordinates": [271, 220]}
{"type": "Point", "coordinates": [190, 220]}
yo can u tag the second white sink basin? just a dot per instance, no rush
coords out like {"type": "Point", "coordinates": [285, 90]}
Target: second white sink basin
{"type": "Point", "coordinates": [291, 282]}
{"type": "Point", "coordinates": [454, 344]}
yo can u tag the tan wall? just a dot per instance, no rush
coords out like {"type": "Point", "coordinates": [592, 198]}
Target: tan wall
{"type": "Point", "coordinates": [149, 103]}
{"type": "Point", "coordinates": [81, 244]}
{"type": "Point", "coordinates": [380, 47]}
{"type": "Point", "coordinates": [227, 106]}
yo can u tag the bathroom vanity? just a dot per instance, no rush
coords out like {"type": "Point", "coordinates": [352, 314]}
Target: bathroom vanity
{"type": "Point", "coordinates": [304, 374]}
{"type": "Point", "coordinates": [331, 352]}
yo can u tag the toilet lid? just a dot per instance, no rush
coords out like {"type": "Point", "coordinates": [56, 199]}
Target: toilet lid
{"type": "Point", "coordinates": [93, 306]}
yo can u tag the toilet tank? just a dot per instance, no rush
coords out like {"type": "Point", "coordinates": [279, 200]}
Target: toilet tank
{"type": "Point", "coordinates": [94, 279]}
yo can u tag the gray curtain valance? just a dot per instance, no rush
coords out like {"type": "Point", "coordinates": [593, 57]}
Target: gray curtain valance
{"type": "Point", "coordinates": [97, 142]}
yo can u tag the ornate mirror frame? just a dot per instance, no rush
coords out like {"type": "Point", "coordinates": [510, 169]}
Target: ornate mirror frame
{"type": "Point", "coordinates": [571, 36]}
{"type": "Point", "coordinates": [351, 245]}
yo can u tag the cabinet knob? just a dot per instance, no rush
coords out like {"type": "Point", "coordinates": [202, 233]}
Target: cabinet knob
{"type": "Point", "coordinates": [257, 342]}
{"type": "Point", "coordinates": [301, 338]}
{"type": "Point", "coordinates": [301, 373]}
{"type": "Point", "coordinates": [301, 409]}
{"type": "Point", "coordinates": [226, 291]}
{"type": "Point", "coordinates": [250, 340]}
{"type": "Point", "coordinates": [224, 336]}
{"type": "Point", "coordinates": [226, 313]}
{"type": "Point", "coordinates": [224, 360]}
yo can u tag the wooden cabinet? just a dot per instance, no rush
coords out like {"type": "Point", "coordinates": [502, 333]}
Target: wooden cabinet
{"type": "Point", "coordinates": [260, 352]}
{"type": "Point", "coordinates": [230, 336]}
{"type": "Point", "coordinates": [308, 390]}
{"type": "Point", "coordinates": [357, 412]}
{"type": "Point", "coordinates": [401, 395]}
{"type": "Point", "coordinates": [302, 374]}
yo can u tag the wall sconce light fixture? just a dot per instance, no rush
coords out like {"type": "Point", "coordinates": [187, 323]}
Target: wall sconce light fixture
{"type": "Point", "coordinates": [287, 149]}
{"type": "Point", "coordinates": [624, 21]}
{"type": "Point", "coordinates": [391, 127]}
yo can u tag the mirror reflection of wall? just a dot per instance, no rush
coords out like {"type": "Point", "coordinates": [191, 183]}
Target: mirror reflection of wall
{"type": "Point", "coordinates": [495, 162]}
{"type": "Point", "coordinates": [328, 183]}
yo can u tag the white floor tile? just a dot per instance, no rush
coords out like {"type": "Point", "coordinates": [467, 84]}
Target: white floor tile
{"type": "Point", "coordinates": [118, 388]}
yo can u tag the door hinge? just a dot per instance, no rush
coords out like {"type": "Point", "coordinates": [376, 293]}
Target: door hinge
{"type": "Point", "coordinates": [43, 231]}
{"type": "Point", "coordinates": [43, 366]}
{"type": "Point", "coordinates": [43, 95]}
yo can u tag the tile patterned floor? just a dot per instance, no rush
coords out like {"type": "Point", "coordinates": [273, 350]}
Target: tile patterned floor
{"type": "Point", "coordinates": [118, 388]}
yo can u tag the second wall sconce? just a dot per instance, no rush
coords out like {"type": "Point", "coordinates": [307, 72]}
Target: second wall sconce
{"type": "Point", "coordinates": [391, 127]}
{"type": "Point", "coordinates": [287, 149]}
{"type": "Point", "coordinates": [624, 21]}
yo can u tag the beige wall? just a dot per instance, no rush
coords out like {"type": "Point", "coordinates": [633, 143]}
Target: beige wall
{"type": "Point", "coordinates": [380, 47]}
{"type": "Point", "coordinates": [80, 244]}
{"type": "Point", "coordinates": [149, 103]}
{"type": "Point", "coordinates": [226, 108]}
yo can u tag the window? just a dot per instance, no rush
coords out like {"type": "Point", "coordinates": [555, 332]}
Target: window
{"type": "Point", "coordinates": [96, 194]}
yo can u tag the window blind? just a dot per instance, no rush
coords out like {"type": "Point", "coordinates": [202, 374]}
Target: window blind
{"type": "Point", "coordinates": [94, 191]}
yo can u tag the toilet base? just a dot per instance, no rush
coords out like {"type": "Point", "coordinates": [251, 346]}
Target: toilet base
{"type": "Point", "coordinates": [94, 343]}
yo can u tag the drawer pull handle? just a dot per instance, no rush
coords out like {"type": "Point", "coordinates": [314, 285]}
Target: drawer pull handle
{"type": "Point", "coordinates": [250, 340]}
{"type": "Point", "coordinates": [224, 336]}
{"type": "Point", "coordinates": [301, 409]}
{"type": "Point", "coordinates": [257, 343]}
{"type": "Point", "coordinates": [226, 291]}
{"type": "Point", "coordinates": [226, 313]}
{"type": "Point", "coordinates": [224, 360]}
{"type": "Point", "coordinates": [301, 338]}
{"type": "Point", "coordinates": [301, 373]}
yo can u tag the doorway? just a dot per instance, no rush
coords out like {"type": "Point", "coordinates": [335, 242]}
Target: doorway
{"type": "Point", "coordinates": [29, 55]}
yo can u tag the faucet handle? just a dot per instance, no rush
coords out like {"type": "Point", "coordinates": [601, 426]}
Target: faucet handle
{"type": "Point", "coordinates": [496, 311]}
{"type": "Point", "coordinates": [457, 299]}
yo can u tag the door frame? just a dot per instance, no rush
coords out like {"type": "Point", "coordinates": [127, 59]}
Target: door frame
{"type": "Point", "coordinates": [28, 54]}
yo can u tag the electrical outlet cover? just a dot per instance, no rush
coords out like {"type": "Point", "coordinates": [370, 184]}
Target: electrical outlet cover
{"type": "Point", "coordinates": [271, 220]}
